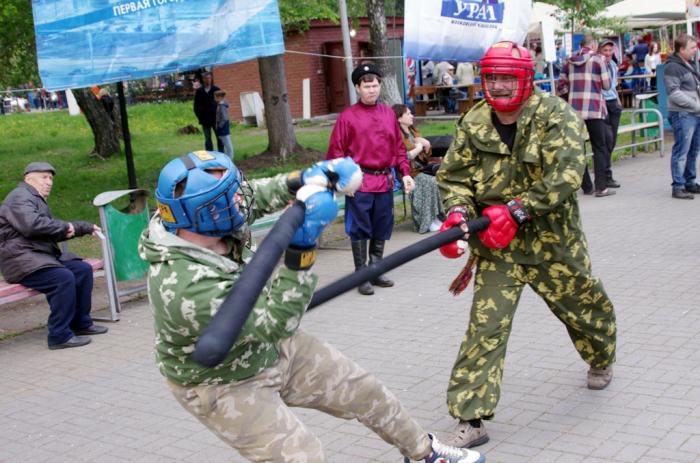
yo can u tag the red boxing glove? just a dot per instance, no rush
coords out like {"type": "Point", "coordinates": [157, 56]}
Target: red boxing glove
{"type": "Point", "coordinates": [505, 220]}
{"type": "Point", "coordinates": [457, 248]}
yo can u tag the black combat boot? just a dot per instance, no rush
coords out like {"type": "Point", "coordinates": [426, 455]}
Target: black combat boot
{"type": "Point", "coordinates": [376, 252]}
{"type": "Point", "coordinates": [359, 255]}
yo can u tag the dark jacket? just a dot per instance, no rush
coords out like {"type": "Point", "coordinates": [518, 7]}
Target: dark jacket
{"type": "Point", "coordinates": [205, 106]}
{"type": "Point", "coordinates": [29, 234]}
{"type": "Point", "coordinates": [682, 82]}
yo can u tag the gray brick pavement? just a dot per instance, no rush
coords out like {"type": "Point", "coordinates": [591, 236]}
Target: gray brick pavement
{"type": "Point", "coordinates": [106, 402]}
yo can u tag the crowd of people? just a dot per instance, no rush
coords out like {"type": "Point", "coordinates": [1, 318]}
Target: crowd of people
{"type": "Point", "coordinates": [27, 98]}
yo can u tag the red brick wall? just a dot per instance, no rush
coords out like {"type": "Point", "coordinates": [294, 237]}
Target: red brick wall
{"type": "Point", "coordinates": [245, 76]}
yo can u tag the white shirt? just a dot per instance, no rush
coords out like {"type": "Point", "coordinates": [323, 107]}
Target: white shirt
{"type": "Point", "coordinates": [651, 61]}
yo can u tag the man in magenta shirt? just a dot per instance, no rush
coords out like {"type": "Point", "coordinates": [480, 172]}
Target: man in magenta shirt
{"type": "Point", "coordinates": [369, 133]}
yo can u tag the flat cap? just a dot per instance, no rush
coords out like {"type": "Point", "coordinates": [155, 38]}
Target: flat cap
{"type": "Point", "coordinates": [39, 167]}
{"type": "Point", "coordinates": [362, 69]}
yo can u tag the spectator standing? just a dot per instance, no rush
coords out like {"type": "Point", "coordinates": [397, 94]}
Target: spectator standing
{"type": "Point", "coordinates": [29, 255]}
{"type": "Point", "coordinates": [428, 73]}
{"type": "Point", "coordinates": [540, 63]}
{"type": "Point", "coordinates": [426, 205]}
{"type": "Point", "coordinates": [640, 51]}
{"type": "Point", "coordinates": [583, 78]}
{"type": "Point", "coordinates": [612, 104]}
{"type": "Point", "coordinates": [465, 74]}
{"type": "Point", "coordinates": [368, 133]}
{"type": "Point", "coordinates": [205, 110]}
{"type": "Point", "coordinates": [682, 80]}
{"type": "Point", "coordinates": [223, 125]}
{"type": "Point", "coordinates": [652, 60]}
{"type": "Point", "coordinates": [518, 158]}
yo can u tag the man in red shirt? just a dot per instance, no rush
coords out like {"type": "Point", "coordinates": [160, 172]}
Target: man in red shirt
{"type": "Point", "coordinates": [369, 133]}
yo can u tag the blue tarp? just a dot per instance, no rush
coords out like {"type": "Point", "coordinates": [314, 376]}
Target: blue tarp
{"type": "Point", "coordinates": [81, 43]}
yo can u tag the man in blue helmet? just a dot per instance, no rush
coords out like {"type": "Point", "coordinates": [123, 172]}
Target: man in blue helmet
{"type": "Point", "coordinates": [197, 244]}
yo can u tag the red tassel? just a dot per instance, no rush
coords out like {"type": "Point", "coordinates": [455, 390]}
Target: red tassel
{"type": "Point", "coordinates": [462, 281]}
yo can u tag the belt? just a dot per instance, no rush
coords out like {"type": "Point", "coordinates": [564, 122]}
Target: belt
{"type": "Point", "coordinates": [376, 172]}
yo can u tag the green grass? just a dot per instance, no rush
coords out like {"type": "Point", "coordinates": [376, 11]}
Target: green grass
{"type": "Point", "coordinates": [66, 141]}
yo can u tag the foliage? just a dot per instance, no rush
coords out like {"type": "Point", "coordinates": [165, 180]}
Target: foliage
{"type": "Point", "coordinates": [298, 15]}
{"type": "Point", "coordinates": [585, 15]}
{"type": "Point", "coordinates": [17, 48]}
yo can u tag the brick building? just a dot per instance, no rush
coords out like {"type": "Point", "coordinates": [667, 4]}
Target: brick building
{"type": "Point", "coordinates": [327, 75]}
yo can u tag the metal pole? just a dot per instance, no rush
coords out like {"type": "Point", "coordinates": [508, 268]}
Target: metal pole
{"type": "Point", "coordinates": [130, 169]}
{"type": "Point", "coordinates": [552, 82]}
{"type": "Point", "coordinates": [347, 49]}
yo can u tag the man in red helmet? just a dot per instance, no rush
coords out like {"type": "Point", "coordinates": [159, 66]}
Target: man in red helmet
{"type": "Point", "coordinates": [518, 158]}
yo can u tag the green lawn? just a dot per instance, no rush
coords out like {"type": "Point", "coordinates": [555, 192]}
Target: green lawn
{"type": "Point", "coordinates": [65, 142]}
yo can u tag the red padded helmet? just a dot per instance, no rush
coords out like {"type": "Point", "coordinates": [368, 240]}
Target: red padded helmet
{"type": "Point", "coordinates": [508, 58]}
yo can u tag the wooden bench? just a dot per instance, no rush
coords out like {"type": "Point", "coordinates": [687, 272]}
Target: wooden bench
{"type": "Point", "coordinates": [465, 104]}
{"type": "Point", "coordinates": [13, 292]}
{"type": "Point", "coordinates": [429, 94]}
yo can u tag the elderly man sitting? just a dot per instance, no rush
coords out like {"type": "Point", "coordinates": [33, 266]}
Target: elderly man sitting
{"type": "Point", "coordinates": [29, 255]}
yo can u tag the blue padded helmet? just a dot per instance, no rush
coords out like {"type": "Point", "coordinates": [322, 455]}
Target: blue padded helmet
{"type": "Point", "coordinates": [207, 205]}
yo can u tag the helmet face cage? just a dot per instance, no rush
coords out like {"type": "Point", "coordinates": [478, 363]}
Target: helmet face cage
{"type": "Point", "coordinates": [497, 64]}
{"type": "Point", "coordinates": [209, 205]}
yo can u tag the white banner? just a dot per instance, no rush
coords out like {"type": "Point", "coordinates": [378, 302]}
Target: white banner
{"type": "Point", "coordinates": [462, 30]}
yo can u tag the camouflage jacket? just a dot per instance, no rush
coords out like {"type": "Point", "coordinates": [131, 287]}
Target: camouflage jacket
{"type": "Point", "coordinates": [187, 284]}
{"type": "Point", "coordinates": [544, 170]}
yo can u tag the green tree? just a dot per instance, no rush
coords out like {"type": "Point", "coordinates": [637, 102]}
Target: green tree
{"type": "Point", "coordinates": [296, 16]}
{"type": "Point", "coordinates": [17, 47]}
{"type": "Point", "coordinates": [585, 15]}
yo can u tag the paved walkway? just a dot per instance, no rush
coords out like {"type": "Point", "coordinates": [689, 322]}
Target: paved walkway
{"type": "Point", "coordinates": [106, 402]}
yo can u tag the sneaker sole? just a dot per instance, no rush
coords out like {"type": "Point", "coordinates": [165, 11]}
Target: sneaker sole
{"type": "Point", "coordinates": [595, 388]}
{"type": "Point", "coordinates": [480, 441]}
{"type": "Point", "coordinates": [477, 442]}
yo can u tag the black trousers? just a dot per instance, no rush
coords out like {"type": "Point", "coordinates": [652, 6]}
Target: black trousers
{"type": "Point", "coordinates": [69, 293]}
{"type": "Point", "coordinates": [613, 122]}
{"type": "Point", "coordinates": [208, 145]}
{"type": "Point", "coordinates": [598, 136]}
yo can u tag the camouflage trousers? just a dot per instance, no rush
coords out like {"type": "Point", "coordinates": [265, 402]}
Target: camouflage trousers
{"type": "Point", "coordinates": [254, 417]}
{"type": "Point", "coordinates": [572, 294]}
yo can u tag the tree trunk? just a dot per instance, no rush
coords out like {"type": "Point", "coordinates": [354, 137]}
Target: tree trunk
{"type": "Point", "coordinates": [106, 140]}
{"type": "Point", "coordinates": [278, 117]}
{"type": "Point", "coordinates": [116, 113]}
{"type": "Point", "coordinates": [379, 44]}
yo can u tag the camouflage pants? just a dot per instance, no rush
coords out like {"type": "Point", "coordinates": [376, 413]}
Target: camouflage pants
{"type": "Point", "coordinates": [572, 294]}
{"type": "Point", "coordinates": [254, 417]}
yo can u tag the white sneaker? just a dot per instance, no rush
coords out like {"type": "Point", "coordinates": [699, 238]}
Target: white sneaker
{"type": "Point", "coordinates": [435, 225]}
{"type": "Point", "coordinates": [442, 453]}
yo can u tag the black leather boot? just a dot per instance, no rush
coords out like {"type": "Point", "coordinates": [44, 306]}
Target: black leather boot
{"type": "Point", "coordinates": [376, 252]}
{"type": "Point", "coordinates": [359, 256]}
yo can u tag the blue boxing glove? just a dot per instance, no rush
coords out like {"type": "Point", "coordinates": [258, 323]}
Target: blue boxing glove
{"type": "Point", "coordinates": [342, 175]}
{"type": "Point", "coordinates": [321, 209]}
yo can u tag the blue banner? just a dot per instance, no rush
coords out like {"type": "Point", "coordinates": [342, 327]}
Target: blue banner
{"type": "Point", "coordinates": [81, 43]}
